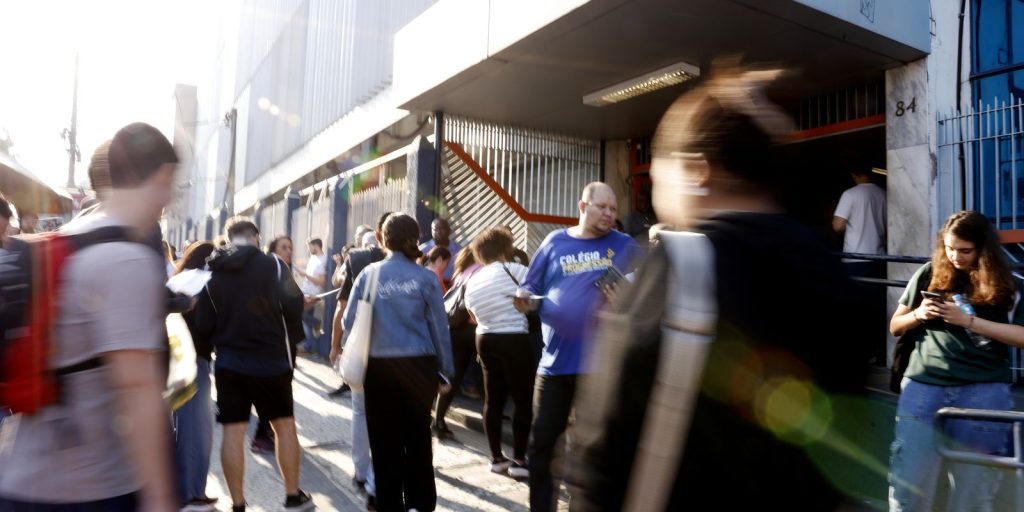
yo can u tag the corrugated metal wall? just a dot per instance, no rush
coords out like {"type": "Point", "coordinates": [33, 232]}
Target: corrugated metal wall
{"type": "Point", "coordinates": [309, 64]}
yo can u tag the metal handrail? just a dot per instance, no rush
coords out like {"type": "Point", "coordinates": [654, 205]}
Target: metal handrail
{"type": "Point", "coordinates": [1016, 462]}
{"type": "Point", "coordinates": [1019, 267]}
{"type": "Point", "coordinates": [884, 257]}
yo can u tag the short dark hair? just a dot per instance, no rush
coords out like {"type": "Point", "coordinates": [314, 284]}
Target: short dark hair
{"type": "Point", "coordinates": [240, 225]}
{"type": "Point", "coordinates": [492, 244]}
{"type": "Point", "coordinates": [136, 152]}
{"type": "Point", "coordinates": [5, 209]}
{"type": "Point", "coordinates": [317, 242]}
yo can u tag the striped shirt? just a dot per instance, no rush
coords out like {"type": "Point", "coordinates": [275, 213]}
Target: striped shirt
{"type": "Point", "coordinates": [487, 297]}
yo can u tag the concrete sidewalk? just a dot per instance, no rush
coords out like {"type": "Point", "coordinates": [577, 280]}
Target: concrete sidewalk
{"type": "Point", "coordinates": [464, 480]}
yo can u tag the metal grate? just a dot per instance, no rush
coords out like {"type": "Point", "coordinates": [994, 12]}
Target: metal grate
{"type": "Point", "coordinates": [981, 162]}
{"type": "Point", "coordinates": [367, 206]}
{"type": "Point", "coordinates": [544, 172]}
{"type": "Point", "coordinates": [473, 207]}
{"type": "Point", "coordinates": [841, 106]}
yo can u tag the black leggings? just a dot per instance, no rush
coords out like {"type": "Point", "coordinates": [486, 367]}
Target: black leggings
{"type": "Point", "coordinates": [463, 353]}
{"type": "Point", "coordinates": [509, 368]}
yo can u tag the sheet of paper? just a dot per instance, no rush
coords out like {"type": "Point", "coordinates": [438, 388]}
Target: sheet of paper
{"type": "Point", "coordinates": [189, 282]}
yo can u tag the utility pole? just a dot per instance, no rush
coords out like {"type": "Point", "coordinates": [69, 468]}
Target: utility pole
{"type": "Point", "coordinates": [72, 135]}
{"type": "Point", "coordinates": [231, 121]}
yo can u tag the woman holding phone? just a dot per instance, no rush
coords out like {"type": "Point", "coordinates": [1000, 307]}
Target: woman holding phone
{"type": "Point", "coordinates": [959, 360]}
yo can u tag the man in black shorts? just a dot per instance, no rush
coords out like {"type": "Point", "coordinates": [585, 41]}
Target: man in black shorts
{"type": "Point", "coordinates": [244, 317]}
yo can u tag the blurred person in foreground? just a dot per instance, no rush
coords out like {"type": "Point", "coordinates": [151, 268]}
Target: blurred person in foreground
{"type": "Point", "coordinates": [749, 426]}
{"type": "Point", "coordinates": [106, 445]}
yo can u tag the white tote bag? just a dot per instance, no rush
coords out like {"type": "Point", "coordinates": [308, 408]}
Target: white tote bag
{"type": "Point", "coordinates": [357, 348]}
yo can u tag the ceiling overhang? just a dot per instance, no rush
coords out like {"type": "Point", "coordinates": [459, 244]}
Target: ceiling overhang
{"type": "Point", "coordinates": [462, 56]}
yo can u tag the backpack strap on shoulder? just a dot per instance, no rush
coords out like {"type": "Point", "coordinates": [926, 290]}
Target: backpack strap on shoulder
{"type": "Point", "coordinates": [688, 328]}
{"type": "Point", "coordinates": [102, 235]}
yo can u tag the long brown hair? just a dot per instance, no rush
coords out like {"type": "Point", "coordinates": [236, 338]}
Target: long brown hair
{"type": "Point", "coordinates": [463, 260]}
{"type": "Point", "coordinates": [990, 281]}
{"type": "Point", "coordinates": [195, 256]}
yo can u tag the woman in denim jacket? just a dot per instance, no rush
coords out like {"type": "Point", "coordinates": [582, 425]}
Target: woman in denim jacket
{"type": "Point", "coordinates": [410, 362]}
{"type": "Point", "coordinates": [959, 360]}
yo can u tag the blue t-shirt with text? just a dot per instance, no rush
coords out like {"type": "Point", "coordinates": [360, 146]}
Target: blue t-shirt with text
{"type": "Point", "coordinates": [564, 270]}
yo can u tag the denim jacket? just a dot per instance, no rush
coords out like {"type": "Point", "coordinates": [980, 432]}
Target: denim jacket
{"type": "Point", "coordinates": [409, 319]}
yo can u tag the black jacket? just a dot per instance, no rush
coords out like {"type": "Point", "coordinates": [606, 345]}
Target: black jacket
{"type": "Point", "coordinates": [246, 310]}
{"type": "Point", "coordinates": [786, 310]}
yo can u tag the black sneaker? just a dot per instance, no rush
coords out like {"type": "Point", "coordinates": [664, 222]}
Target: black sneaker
{"type": "Point", "coordinates": [238, 508]}
{"type": "Point", "coordinates": [340, 391]}
{"type": "Point", "coordinates": [371, 502]}
{"type": "Point", "coordinates": [300, 501]}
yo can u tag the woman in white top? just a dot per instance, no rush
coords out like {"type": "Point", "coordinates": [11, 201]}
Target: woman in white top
{"type": "Point", "coordinates": [503, 342]}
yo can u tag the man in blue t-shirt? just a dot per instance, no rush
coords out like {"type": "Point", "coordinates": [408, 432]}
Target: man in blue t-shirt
{"type": "Point", "coordinates": [567, 271]}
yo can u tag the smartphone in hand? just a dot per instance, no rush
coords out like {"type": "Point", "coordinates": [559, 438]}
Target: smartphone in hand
{"type": "Point", "coordinates": [933, 296]}
{"type": "Point", "coordinates": [611, 278]}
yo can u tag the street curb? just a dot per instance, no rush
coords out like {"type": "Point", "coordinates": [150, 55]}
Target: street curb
{"type": "Point", "coordinates": [469, 412]}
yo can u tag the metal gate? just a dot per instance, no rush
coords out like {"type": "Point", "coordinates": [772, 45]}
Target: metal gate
{"type": "Point", "coordinates": [504, 175]}
{"type": "Point", "coordinates": [366, 206]}
{"type": "Point", "coordinates": [981, 167]}
{"type": "Point", "coordinates": [981, 162]}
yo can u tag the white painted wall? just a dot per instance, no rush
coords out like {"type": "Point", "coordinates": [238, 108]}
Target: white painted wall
{"type": "Point", "coordinates": [913, 217]}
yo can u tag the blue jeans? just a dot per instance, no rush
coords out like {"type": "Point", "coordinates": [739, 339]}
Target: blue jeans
{"type": "Point", "coordinates": [915, 461]}
{"type": "Point", "coordinates": [193, 437]}
{"type": "Point", "coordinates": [361, 443]}
{"type": "Point", "coordinates": [309, 321]}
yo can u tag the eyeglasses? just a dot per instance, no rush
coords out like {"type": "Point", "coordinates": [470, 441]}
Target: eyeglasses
{"type": "Point", "coordinates": [605, 207]}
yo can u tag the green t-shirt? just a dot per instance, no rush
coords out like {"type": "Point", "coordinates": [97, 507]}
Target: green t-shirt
{"type": "Point", "coordinates": [944, 354]}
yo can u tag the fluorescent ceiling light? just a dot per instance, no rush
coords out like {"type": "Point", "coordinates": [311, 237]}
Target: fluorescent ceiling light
{"type": "Point", "coordinates": [643, 84]}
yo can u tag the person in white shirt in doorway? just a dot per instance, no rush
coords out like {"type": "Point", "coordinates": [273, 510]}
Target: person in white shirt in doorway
{"type": "Point", "coordinates": [860, 215]}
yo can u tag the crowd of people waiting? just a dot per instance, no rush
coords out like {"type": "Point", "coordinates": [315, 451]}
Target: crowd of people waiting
{"type": "Point", "coordinates": [701, 369]}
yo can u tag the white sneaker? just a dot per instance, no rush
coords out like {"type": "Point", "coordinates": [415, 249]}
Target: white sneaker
{"type": "Point", "coordinates": [518, 471]}
{"type": "Point", "coordinates": [500, 467]}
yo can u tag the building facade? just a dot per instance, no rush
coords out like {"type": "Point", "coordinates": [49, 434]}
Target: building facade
{"type": "Point", "coordinates": [319, 114]}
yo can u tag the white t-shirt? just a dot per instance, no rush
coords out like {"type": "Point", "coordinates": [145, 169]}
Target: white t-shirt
{"type": "Point", "coordinates": [863, 207]}
{"type": "Point", "coordinates": [112, 298]}
{"type": "Point", "coordinates": [487, 297]}
{"type": "Point", "coordinates": [315, 267]}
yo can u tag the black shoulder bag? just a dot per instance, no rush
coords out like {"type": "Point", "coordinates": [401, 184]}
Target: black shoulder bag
{"type": "Point", "coordinates": [905, 345]}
